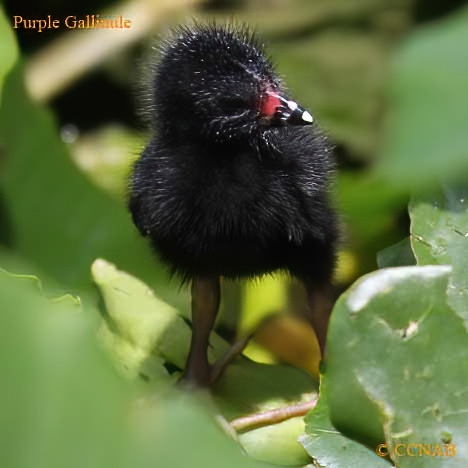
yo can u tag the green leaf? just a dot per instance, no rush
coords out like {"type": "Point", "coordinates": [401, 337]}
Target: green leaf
{"type": "Point", "coordinates": [399, 254]}
{"type": "Point", "coordinates": [439, 235]}
{"type": "Point", "coordinates": [426, 134]}
{"type": "Point", "coordinates": [57, 218]}
{"type": "Point", "coordinates": [179, 431]}
{"type": "Point", "coordinates": [277, 443]}
{"type": "Point", "coordinates": [62, 404]}
{"type": "Point", "coordinates": [397, 364]}
{"type": "Point", "coordinates": [139, 327]}
{"type": "Point", "coordinates": [248, 387]}
{"type": "Point", "coordinates": [438, 221]}
{"type": "Point", "coordinates": [328, 446]}
{"type": "Point", "coordinates": [14, 263]}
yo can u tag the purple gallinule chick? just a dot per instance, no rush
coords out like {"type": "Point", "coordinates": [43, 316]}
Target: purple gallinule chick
{"type": "Point", "coordinates": [234, 182]}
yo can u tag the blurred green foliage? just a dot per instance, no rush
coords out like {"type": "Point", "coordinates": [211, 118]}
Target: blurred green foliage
{"type": "Point", "coordinates": [88, 362]}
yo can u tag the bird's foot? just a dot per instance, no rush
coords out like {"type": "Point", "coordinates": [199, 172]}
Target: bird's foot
{"type": "Point", "coordinates": [222, 363]}
{"type": "Point", "coordinates": [199, 373]}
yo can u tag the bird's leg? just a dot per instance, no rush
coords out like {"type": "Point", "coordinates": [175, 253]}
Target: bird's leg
{"type": "Point", "coordinates": [205, 304]}
{"type": "Point", "coordinates": [320, 303]}
{"type": "Point", "coordinates": [222, 363]}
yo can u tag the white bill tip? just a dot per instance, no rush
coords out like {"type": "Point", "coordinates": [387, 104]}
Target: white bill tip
{"type": "Point", "coordinates": [306, 117]}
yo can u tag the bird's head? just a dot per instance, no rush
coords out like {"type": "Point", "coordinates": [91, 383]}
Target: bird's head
{"type": "Point", "coordinates": [215, 83]}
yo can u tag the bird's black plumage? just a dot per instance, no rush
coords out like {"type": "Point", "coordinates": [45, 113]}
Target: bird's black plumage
{"type": "Point", "coordinates": [216, 190]}
{"type": "Point", "coordinates": [226, 186]}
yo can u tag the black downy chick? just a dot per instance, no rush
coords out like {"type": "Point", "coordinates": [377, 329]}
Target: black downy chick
{"type": "Point", "coordinates": [234, 181]}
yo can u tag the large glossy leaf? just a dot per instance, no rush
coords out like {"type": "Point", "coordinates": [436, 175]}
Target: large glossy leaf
{"type": "Point", "coordinates": [439, 235]}
{"type": "Point", "coordinates": [397, 364]}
